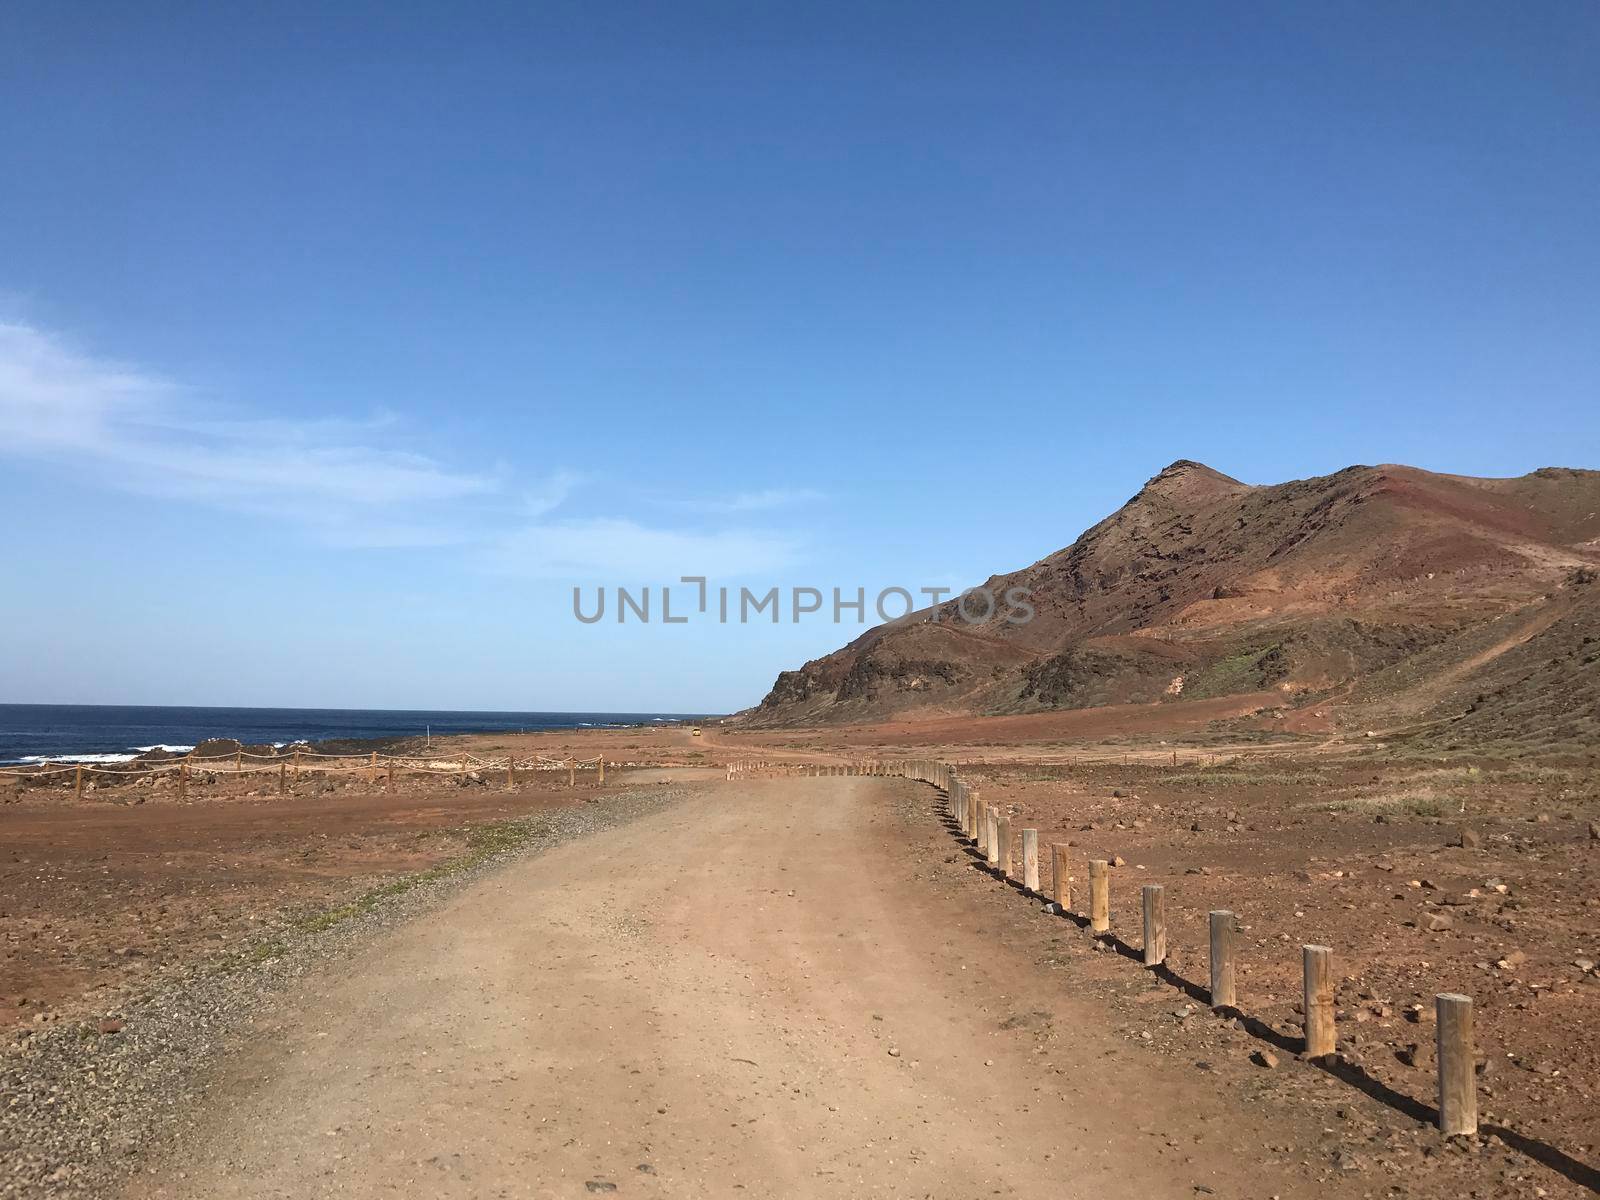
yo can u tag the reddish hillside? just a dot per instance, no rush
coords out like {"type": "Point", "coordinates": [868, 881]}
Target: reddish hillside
{"type": "Point", "coordinates": [1203, 586]}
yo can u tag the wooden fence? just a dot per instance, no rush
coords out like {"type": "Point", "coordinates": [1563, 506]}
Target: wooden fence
{"type": "Point", "coordinates": [990, 835]}
{"type": "Point", "coordinates": [293, 763]}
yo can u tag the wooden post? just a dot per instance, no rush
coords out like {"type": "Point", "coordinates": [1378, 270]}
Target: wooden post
{"type": "Point", "coordinates": [297, 764]}
{"type": "Point", "coordinates": [511, 771]}
{"type": "Point", "coordinates": [1030, 860]}
{"type": "Point", "coordinates": [1060, 876]}
{"type": "Point", "coordinates": [1099, 895]}
{"type": "Point", "coordinates": [1458, 1084]}
{"type": "Point", "coordinates": [972, 816]}
{"type": "Point", "coordinates": [572, 772]}
{"type": "Point", "coordinates": [238, 761]}
{"type": "Point", "coordinates": [992, 832]}
{"type": "Point", "coordinates": [1155, 924]}
{"type": "Point", "coordinates": [372, 770]}
{"type": "Point", "coordinates": [602, 765]}
{"type": "Point", "coordinates": [183, 781]}
{"type": "Point", "coordinates": [1318, 1001]}
{"type": "Point", "coordinates": [1003, 829]}
{"type": "Point", "coordinates": [391, 775]}
{"type": "Point", "coordinates": [1223, 925]}
{"type": "Point", "coordinates": [77, 783]}
{"type": "Point", "coordinates": [283, 779]}
{"type": "Point", "coordinates": [463, 772]}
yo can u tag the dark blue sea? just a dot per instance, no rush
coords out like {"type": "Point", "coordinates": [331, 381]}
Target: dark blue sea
{"type": "Point", "coordinates": [115, 733]}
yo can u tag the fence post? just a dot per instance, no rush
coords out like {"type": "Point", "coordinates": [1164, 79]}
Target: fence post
{"type": "Point", "coordinates": [602, 765]}
{"type": "Point", "coordinates": [1099, 895]}
{"type": "Point", "coordinates": [572, 772]}
{"type": "Point", "coordinates": [77, 783]}
{"type": "Point", "coordinates": [1458, 1085]}
{"type": "Point", "coordinates": [1058, 871]}
{"type": "Point", "coordinates": [1030, 860]}
{"type": "Point", "coordinates": [297, 764]}
{"type": "Point", "coordinates": [511, 771]}
{"type": "Point", "coordinates": [372, 770]}
{"type": "Point", "coordinates": [183, 781]}
{"type": "Point", "coordinates": [283, 779]}
{"type": "Point", "coordinates": [238, 761]}
{"type": "Point", "coordinates": [1223, 924]}
{"type": "Point", "coordinates": [1318, 962]}
{"type": "Point", "coordinates": [1153, 901]}
{"type": "Point", "coordinates": [993, 832]}
{"type": "Point", "coordinates": [391, 775]}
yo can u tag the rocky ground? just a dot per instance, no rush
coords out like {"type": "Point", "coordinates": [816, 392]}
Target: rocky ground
{"type": "Point", "coordinates": [1478, 880]}
{"type": "Point", "coordinates": [92, 1089]}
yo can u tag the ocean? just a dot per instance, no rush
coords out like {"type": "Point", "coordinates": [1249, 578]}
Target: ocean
{"type": "Point", "coordinates": [32, 733]}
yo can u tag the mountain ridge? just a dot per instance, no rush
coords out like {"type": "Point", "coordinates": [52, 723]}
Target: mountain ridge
{"type": "Point", "coordinates": [1203, 585]}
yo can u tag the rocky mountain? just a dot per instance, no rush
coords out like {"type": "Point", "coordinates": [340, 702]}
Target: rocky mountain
{"type": "Point", "coordinates": [1200, 586]}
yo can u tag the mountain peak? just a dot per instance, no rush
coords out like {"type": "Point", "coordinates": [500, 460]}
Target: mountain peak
{"type": "Point", "coordinates": [1192, 481]}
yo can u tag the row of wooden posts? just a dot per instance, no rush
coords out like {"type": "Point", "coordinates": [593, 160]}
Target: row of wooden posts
{"type": "Point", "coordinates": [372, 767]}
{"type": "Point", "coordinates": [745, 767]}
{"type": "Point", "coordinates": [990, 833]}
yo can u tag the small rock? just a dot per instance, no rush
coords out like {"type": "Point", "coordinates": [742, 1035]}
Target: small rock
{"type": "Point", "coordinates": [1437, 921]}
{"type": "Point", "coordinates": [1264, 1058]}
{"type": "Point", "coordinates": [109, 1025]}
{"type": "Point", "coordinates": [1470, 839]}
{"type": "Point", "coordinates": [1119, 861]}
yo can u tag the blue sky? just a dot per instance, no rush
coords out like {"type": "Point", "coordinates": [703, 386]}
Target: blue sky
{"type": "Point", "coordinates": [337, 346]}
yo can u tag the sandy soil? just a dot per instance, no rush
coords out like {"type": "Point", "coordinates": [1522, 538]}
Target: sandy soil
{"type": "Point", "coordinates": [101, 898]}
{"type": "Point", "coordinates": [790, 988]}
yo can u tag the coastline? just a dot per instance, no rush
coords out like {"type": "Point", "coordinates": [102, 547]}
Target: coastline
{"type": "Point", "coordinates": [34, 735]}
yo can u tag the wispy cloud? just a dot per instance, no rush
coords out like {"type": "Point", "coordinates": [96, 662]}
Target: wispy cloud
{"type": "Point", "coordinates": [766, 500]}
{"type": "Point", "coordinates": [346, 480]}
{"type": "Point", "coordinates": [622, 550]}
{"type": "Point", "coordinates": [145, 433]}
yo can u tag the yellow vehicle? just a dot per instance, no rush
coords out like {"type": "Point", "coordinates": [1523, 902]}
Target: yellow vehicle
{"type": "Point", "coordinates": [695, 732]}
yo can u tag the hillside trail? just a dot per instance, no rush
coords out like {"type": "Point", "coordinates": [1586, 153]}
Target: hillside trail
{"type": "Point", "coordinates": [777, 988]}
{"type": "Point", "coordinates": [1424, 695]}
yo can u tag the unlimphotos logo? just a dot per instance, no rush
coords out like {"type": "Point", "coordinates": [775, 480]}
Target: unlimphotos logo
{"type": "Point", "coordinates": [743, 606]}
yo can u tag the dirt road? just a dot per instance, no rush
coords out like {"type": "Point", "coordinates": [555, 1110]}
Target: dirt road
{"type": "Point", "coordinates": [782, 988]}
